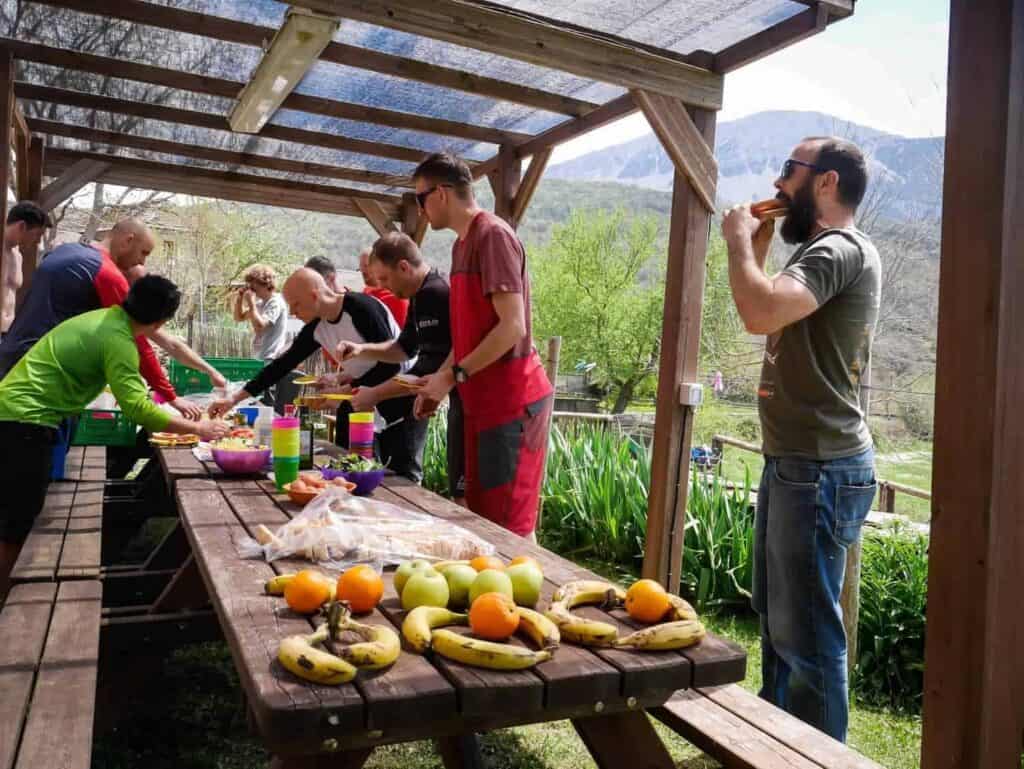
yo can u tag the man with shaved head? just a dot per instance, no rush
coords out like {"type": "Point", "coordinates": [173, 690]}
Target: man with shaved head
{"type": "Point", "coordinates": [331, 318]}
{"type": "Point", "coordinates": [76, 278]}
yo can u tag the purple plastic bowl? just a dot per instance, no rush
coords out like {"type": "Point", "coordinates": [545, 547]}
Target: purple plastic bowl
{"type": "Point", "coordinates": [365, 481]}
{"type": "Point", "coordinates": [242, 462]}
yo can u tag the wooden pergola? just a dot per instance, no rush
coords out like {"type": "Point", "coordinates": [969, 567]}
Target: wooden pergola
{"type": "Point", "coordinates": [530, 82]}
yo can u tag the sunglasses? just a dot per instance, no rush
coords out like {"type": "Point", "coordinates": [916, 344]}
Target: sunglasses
{"type": "Point", "coordinates": [790, 166]}
{"type": "Point", "coordinates": [421, 197]}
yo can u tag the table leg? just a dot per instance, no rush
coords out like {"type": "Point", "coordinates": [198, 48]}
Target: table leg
{"type": "Point", "coordinates": [623, 739]}
{"type": "Point", "coordinates": [460, 752]}
{"type": "Point", "coordinates": [347, 759]}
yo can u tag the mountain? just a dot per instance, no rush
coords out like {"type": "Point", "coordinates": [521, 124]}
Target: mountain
{"type": "Point", "coordinates": [907, 172]}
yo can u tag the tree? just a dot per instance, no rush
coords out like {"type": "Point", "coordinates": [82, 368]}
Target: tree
{"type": "Point", "coordinates": [600, 285]}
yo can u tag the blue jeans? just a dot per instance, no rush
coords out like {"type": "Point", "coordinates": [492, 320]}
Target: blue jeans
{"type": "Point", "coordinates": [808, 514]}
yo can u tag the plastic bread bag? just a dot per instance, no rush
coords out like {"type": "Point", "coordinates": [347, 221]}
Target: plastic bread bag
{"type": "Point", "coordinates": [337, 529]}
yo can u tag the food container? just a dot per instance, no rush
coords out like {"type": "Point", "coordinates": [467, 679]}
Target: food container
{"type": "Point", "coordinates": [245, 462]}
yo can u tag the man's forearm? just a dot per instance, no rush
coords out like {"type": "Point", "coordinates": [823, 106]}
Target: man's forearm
{"type": "Point", "coordinates": [502, 338]}
{"type": "Point", "coordinates": [751, 288]}
{"type": "Point", "coordinates": [387, 352]}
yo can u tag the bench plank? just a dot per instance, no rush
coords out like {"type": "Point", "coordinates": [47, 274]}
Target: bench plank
{"type": "Point", "coordinates": [801, 737]}
{"type": "Point", "coordinates": [726, 737]}
{"type": "Point", "coordinates": [40, 554]}
{"type": "Point", "coordinates": [94, 463]}
{"type": "Point", "coordinates": [65, 692]}
{"type": "Point", "coordinates": [23, 624]}
{"type": "Point", "coordinates": [80, 556]}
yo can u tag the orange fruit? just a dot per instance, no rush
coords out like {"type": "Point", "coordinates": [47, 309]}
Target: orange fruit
{"type": "Point", "coordinates": [307, 591]}
{"type": "Point", "coordinates": [362, 587]}
{"type": "Point", "coordinates": [493, 616]}
{"type": "Point", "coordinates": [526, 559]}
{"type": "Point", "coordinates": [482, 562]}
{"type": "Point", "coordinates": [647, 601]}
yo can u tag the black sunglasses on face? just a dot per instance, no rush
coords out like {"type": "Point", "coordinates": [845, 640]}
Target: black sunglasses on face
{"type": "Point", "coordinates": [790, 166]}
{"type": "Point", "coordinates": [421, 197]}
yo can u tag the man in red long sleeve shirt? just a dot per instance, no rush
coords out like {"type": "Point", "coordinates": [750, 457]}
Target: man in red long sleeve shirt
{"type": "Point", "coordinates": [75, 278]}
{"type": "Point", "coordinates": [398, 307]}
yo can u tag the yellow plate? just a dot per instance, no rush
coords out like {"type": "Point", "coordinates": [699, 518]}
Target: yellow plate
{"type": "Point", "coordinates": [305, 380]}
{"type": "Point", "coordinates": [335, 396]}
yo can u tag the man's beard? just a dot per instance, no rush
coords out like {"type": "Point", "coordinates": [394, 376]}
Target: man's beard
{"type": "Point", "coordinates": [803, 215]}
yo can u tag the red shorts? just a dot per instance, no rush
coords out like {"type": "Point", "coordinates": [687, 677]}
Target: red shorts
{"type": "Point", "coordinates": [505, 465]}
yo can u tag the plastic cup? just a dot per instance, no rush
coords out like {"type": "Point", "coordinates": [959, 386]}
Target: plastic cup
{"type": "Point", "coordinates": [286, 470]}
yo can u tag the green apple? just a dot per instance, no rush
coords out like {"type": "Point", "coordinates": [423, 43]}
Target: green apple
{"type": "Point", "coordinates": [527, 580]}
{"type": "Point", "coordinates": [425, 588]}
{"type": "Point", "coordinates": [490, 581]}
{"type": "Point", "coordinates": [406, 570]}
{"type": "Point", "coordinates": [459, 577]}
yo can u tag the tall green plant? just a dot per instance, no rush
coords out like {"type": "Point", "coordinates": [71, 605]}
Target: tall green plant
{"type": "Point", "coordinates": [435, 455]}
{"type": "Point", "coordinates": [893, 592]}
{"type": "Point", "coordinates": [718, 551]}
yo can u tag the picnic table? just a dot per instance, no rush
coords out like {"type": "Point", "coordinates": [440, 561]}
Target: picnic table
{"type": "Point", "coordinates": [603, 691]}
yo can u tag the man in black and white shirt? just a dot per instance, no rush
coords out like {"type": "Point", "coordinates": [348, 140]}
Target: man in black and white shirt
{"type": "Point", "coordinates": [397, 265]}
{"type": "Point", "coordinates": [330, 319]}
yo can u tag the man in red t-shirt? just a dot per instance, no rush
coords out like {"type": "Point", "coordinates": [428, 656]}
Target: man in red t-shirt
{"type": "Point", "coordinates": [399, 307]}
{"type": "Point", "coordinates": [506, 395]}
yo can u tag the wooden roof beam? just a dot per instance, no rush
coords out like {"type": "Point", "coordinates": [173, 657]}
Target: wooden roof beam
{"type": "Point", "coordinates": [218, 122]}
{"type": "Point", "coordinates": [838, 8]}
{"type": "Point", "coordinates": [375, 215]}
{"type": "Point", "coordinates": [243, 33]}
{"type": "Point", "coordinates": [223, 185]}
{"type": "Point", "coordinates": [70, 181]}
{"type": "Point", "coordinates": [528, 186]}
{"type": "Point", "coordinates": [229, 89]}
{"type": "Point", "coordinates": [538, 40]}
{"type": "Point", "coordinates": [227, 157]}
{"type": "Point", "coordinates": [775, 38]}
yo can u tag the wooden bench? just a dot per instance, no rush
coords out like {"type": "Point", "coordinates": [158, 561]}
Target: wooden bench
{"type": "Point", "coordinates": [49, 653]}
{"type": "Point", "coordinates": [65, 539]}
{"type": "Point", "coordinates": [742, 731]}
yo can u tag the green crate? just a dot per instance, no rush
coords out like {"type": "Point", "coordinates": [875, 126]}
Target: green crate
{"type": "Point", "coordinates": [187, 381]}
{"type": "Point", "coordinates": [98, 427]}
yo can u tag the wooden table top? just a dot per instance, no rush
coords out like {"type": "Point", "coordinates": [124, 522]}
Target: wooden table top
{"type": "Point", "coordinates": [418, 697]}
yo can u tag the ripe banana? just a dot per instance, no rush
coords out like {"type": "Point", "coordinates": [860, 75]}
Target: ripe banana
{"type": "Point", "coordinates": [440, 566]}
{"type": "Point", "coordinates": [586, 592]}
{"type": "Point", "coordinates": [681, 609]}
{"type": "Point", "coordinates": [275, 585]}
{"type": "Point", "coordinates": [578, 630]}
{"type": "Point", "coordinates": [298, 654]}
{"type": "Point", "coordinates": [538, 628]}
{"type": "Point", "coordinates": [485, 654]}
{"type": "Point", "coordinates": [420, 621]}
{"type": "Point", "coordinates": [380, 649]}
{"type": "Point", "coordinates": [669, 635]}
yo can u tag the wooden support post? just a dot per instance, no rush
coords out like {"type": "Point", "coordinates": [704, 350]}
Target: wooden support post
{"type": "Point", "coordinates": [623, 739]}
{"type": "Point", "coordinates": [505, 182]}
{"type": "Point", "coordinates": [849, 602]}
{"type": "Point", "coordinates": [70, 182]}
{"type": "Point", "coordinates": [529, 185]}
{"type": "Point", "coordinates": [375, 215]}
{"type": "Point", "coordinates": [684, 293]}
{"type": "Point", "coordinates": [554, 352]}
{"type": "Point", "coordinates": [974, 677]}
{"type": "Point", "coordinates": [30, 256]}
{"type": "Point", "coordinates": [6, 117]}
{"type": "Point", "coordinates": [410, 214]}
{"type": "Point", "coordinates": [21, 161]}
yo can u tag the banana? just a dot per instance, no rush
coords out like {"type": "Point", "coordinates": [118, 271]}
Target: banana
{"type": "Point", "coordinates": [538, 628]}
{"type": "Point", "coordinates": [586, 632]}
{"type": "Point", "coordinates": [298, 654]}
{"type": "Point", "coordinates": [420, 621]}
{"type": "Point", "coordinates": [681, 609]}
{"type": "Point", "coordinates": [275, 585]}
{"type": "Point", "coordinates": [485, 654]}
{"type": "Point", "coordinates": [669, 635]}
{"type": "Point", "coordinates": [380, 648]}
{"type": "Point", "coordinates": [586, 592]}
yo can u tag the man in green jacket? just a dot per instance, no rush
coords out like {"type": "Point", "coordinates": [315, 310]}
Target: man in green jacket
{"type": "Point", "coordinates": [57, 378]}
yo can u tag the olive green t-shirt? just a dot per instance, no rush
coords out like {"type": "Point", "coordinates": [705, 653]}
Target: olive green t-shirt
{"type": "Point", "coordinates": [809, 394]}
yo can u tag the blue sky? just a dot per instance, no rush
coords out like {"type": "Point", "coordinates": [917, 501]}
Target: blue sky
{"type": "Point", "coordinates": [884, 67]}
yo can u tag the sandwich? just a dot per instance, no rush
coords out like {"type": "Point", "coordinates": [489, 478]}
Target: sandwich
{"type": "Point", "coordinates": [773, 208]}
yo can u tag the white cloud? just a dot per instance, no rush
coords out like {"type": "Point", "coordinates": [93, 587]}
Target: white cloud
{"type": "Point", "coordinates": [884, 68]}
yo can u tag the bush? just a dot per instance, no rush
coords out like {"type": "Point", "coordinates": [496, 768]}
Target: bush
{"type": "Point", "coordinates": [718, 552]}
{"type": "Point", "coordinates": [435, 455]}
{"type": "Point", "coordinates": [595, 494]}
{"type": "Point", "coordinates": [893, 588]}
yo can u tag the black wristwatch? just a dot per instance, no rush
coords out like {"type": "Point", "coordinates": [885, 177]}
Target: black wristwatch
{"type": "Point", "coordinates": [461, 375]}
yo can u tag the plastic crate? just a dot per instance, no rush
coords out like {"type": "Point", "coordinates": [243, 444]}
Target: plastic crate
{"type": "Point", "coordinates": [104, 428]}
{"type": "Point", "coordinates": [187, 381]}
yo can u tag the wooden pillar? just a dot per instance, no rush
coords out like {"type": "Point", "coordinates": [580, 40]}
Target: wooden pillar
{"type": "Point", "coordinates": [6, 117]}
{"type": "Point", "coordinates": [505, 183]}
{"type": "Point", "coordinates": [684, 294]}
{"type": "Point", "coordinates": [973, 685]}
{"type": "Point", "coordinates": [30, 256]}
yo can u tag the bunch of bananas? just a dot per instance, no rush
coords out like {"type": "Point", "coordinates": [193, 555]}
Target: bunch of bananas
{"type": "Point", "coordinates": [424, 628]}
{"type": "Point", "coordinates": [379, 649]}
{"type": "Point", "coordinates": [678, 629]}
